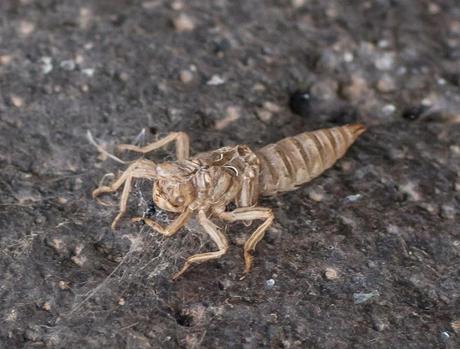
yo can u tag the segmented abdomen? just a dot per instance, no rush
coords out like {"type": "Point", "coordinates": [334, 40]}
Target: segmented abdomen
{"type": "Point", "coordinates": [296, 160]}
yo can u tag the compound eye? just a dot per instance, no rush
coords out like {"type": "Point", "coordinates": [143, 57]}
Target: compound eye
{"type": "Point", "coordinates": [179, 200]}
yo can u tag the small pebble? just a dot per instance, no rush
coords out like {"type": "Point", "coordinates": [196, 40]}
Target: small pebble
{"type": "Point", "coordinates": [389, 109]}
{"type": "Point", "coordinates": [410, 189]}
{"type": "Point", "coordinates": [331, 274]}
{"type": "Point", "coordinates": [269, 284]}
{"type": "Point", "coordinates": [17, 101]}
{"type": "Point", "coordinates": [88, 71]}
{"type": "Point", "coordinates": [62, 200]}
{"type": "Point", "coordinates": [433, 8]}
{"type": "Point", "coordinates": [123, 76]}
{"type": "Point", "coordinates": [78, 260]}
{"type": "Point", "coordinates": [68, 65]}
{"type": "Point", "coordinates": [215, 80]}
{"type": "Point", "coordinates": [316, 194]}
{"type": "Point", "coordinates": [64, 285]}
{"type": "Point", "coordinates": [177, 5]}
{"type": "Point", "coordinates": [297, 3]}
{"type": "Point", "coordinates": [448, 211]}
{"type": "Point", "coordinates": [264, 115]}
{"type": "Point", "coordinates": [26, 28]}
{"type": "Point", "coordinates": [186, 76]}
{"type": "Point", "coordinates": [272, 107]}
{"type": "Point", "coordinates": [385, 61]}
{"type": "Point", "coordinates": [386, 84]}
{"type": "Point", "coordinates": [183, 23]}
{"type": "Point", "coordinates": [356, 89]}
{"type": "Point", "coordinates": [324, 89]}
{"type": "Point", "coordinates": [455, 149]}
{"type": "Point", "coordinates": [379, 324]}
{"type": "Point", "coordinates": [299, 102]}
{"type": "Point", "coordinates": [361, 297]}
{"type": "Point", "coordinates": [258, 87]}
{"type": "Point", "coordinates": [233, 114]}
{"type": "Point", "coordinates": [5, 59]}
{"type": "Point", "coordinates": [46, 306]}
{"type": "Point", "coordinates": [457, 182]}
{"type": "Point", "coordinates": [46, 64]}
{"type": "Point", "coordinates": [445, 335]}
{"type": "Point", "coordinates": [348, 57]}
{"type": "Point", "coordinates": [353, 198]}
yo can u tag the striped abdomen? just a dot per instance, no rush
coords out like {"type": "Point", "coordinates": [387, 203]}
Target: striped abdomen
{"type": "Point", "coordinates": [296, 160]}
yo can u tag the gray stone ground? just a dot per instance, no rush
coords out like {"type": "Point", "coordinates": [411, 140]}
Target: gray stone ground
{"type": "Point", "coordinates": [365, 256]}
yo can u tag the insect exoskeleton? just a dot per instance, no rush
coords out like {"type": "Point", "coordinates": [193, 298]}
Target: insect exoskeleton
{"type": "Point", "coordinates": [205, 184]}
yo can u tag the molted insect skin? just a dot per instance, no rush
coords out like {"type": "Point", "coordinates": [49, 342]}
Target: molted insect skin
{"type": "Point", "coordinates": [296, 160]}
{"type": "Point", "coordinates": [205, 184]}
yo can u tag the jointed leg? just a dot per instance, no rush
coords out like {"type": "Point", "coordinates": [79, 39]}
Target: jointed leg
{"type": "Point", "coordinates": [170, 229]}
{"type": "Point", "coordinates": [139, 169]}
{"type": "Point", "coordinates": [216, 235]}
{"type": "Point", "coordinates": [182, 145]}
{"type": "Point", "coordinates": [245, 214]}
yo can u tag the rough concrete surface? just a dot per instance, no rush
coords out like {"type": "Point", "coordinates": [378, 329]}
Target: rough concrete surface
{"type": "Point", "coordinates": [367, 255]}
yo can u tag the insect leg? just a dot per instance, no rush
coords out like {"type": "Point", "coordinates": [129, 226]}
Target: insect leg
{"type": "Point", "coordinates": [182, 145]}
{"type": "Point", "coordinates": [139, 169]}
{"type": "Point", "coordinates": [245, 214]}
{"type": "Point", "coordinates": [170, 229]}
{"type": "Point", "coordinates": [216, 235]}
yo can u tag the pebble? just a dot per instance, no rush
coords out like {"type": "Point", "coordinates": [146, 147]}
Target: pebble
{"type": "Point", "coordinates": [269, 284]}
{"type": "Point", "coordinates": [177, 5]}
{"type": "Point", "coordinates": [352, 198]}
{"type": "Point", "coordinates": [88, 72]}
{"type": "Point", "coordinates": [64, 285]}
{"type": "Point", "coordinates": [62, 200]}
{"type": "Point", "coordinates": [356, 89]}
{"type": "Point", "coordinates": [46, 64]}
{"type": "Point", "coordinates": [233, 114]}
{"type": "Point", "coordinates": [272, 107]}
{"type": "Point", "coordinates": [325, 89]}
{"type": "Point", "coordinates": [362, 297]}
{"type": "Point", "coordinates": [331, 274]}
{"type": "Point", "coordinates": [348, 57]}
{"type": "Point", "coordinates": [264, 115]}
{"type": "Point", "coordinates": [448, 211]}
{"type": "Point", "coordinates": [150, 5]}
{"type": "Point", "coordinates": [26, 28]}
{"type": "Point", "coordinates": [297, 3]}
{"type": "Point", "coordinates": [433, 8]}
{"type": "Point", "coordinates": [389, 109]}
{"type": "Point", "coordinates": [215, 80]}
{"type": "Point", "coordinates": [379, 324]}
{"type": "Point", "coordinates": [386, 84]}
{"type": "Point", "coordinates": [5, 59]}
{"type": "Point", "coordinates": [46, 306]}
{"type": "Point", "coordinates": [186, 76]}
{"type": "Point", "coordinates": [184, 23]}
{"type": "Point", "coordinates": [68, 65]}
{"type": "Point", "coordinates": [17, 101]}
{"type": "Point", "coordinates": [299, 102]}
{"type": "Point", "coordinates": [410, 189]}
{"type": "Point", "coordinates": [385, 61]}
{"type": "Point", "coordinates": [316, 194]}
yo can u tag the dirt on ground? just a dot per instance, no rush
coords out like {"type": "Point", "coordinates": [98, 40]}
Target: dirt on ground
{"type": "Point", "coordinates": [365, 256]}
